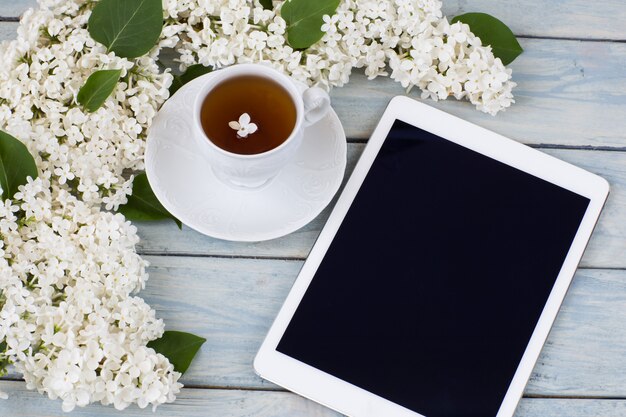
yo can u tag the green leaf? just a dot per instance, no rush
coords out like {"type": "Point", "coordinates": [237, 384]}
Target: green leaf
{"type": "Point", "coordinates": [4, 359]}
{"type": "Point", "coordinates": [98, 87]}
{"type": "Point", "coordinates": [143, 205]}
{"type": "Point", "coordinates": [492, 31]}
{"type": "Point", "coordinates": [179, 347]}
{"type": "Point", "coordinates": [192, 73]}
{"type": "Point", "coordinates": [16, 165]}
{"type": "Point", "coordinates": [267, 4]}
{"type": "Point", "coordinates": [130, 28]}
{"type": "Point", "coordinates": [304, 20]}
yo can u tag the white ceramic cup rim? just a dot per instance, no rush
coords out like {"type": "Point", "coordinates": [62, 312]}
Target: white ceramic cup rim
{"type": "Point", "coordinates": [257, 70]}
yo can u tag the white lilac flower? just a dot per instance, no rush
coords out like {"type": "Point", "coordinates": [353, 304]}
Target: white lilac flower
{"type": "Point", "coordinates": [68, 270]}
{"type": "Point", "coordinates": [68, 314]}
{"type": "Point", "coordinates": [243, 126]}
{"type": "Point", "coordinates": [408, 40]}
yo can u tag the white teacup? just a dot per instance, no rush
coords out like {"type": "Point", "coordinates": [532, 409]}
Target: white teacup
{"type": "Point", "coordinates": [253, 171]}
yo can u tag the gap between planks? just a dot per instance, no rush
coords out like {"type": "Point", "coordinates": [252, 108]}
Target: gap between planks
{"type": "Point", "coordinates": [222, 256]}
{"type": "Point", "coordinates": [574, 39]}
{"type": "Point", "coordinates": [540, 146]}
{"type": "Point", "coordinates": [292, 258]}
{"type": "Point", "coordinates": [573, 397]}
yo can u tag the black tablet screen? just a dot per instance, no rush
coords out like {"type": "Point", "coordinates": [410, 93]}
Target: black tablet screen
{"type": "Point", "coordinates": [432, 287]}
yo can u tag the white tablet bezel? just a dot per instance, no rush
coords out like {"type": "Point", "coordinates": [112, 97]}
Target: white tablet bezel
{"type": "Point", "coordinates": [356, 402]}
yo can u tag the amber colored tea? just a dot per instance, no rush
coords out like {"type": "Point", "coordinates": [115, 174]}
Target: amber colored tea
{"type": "Point", "coordinates": [268, 104]}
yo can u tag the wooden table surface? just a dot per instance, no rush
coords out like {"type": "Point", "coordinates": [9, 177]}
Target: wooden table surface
{"type": "Point", "coordinates": [571, 103]}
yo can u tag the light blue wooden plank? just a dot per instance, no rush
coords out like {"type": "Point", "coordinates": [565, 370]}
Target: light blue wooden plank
{"type": "Point", "coordinates": [556, 18]}
{"type": "Point", "coordinates": [8, 30]}
{"type": "Point", "coordinates": [14, 8]}
{"type": "Point", "coordinates": [584, 354]}
{"type": "Point", "coordinates": [607, 248]}
{"type": "Point", "coordinates": [570, 93]}
{"type": "Point", "coordinates": [232, 302]}
{"type": "Point", "coordinates": [229, 403]}
{"type": "Point", "coordinates": [543, 407]}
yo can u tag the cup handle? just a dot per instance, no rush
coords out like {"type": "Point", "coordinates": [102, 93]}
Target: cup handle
{"type": "Point", "coordinates": [316, 105]}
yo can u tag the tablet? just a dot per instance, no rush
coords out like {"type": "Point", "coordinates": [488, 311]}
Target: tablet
{"type": "Point", "coordinates": [435, 282]}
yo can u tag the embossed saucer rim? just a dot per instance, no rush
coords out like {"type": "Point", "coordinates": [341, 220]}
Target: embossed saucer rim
{"type": "Point", "coordinates": [339, 147]}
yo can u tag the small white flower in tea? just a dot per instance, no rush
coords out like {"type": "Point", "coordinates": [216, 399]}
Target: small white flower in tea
{"type": "Point", "coordinates": [243, 126]}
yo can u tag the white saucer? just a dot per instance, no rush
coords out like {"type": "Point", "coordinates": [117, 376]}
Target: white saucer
{"type": "Point", "coordinates": [187, 187]}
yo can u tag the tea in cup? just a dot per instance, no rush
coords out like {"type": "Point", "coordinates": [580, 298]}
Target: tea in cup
{"type": "Point", "coordinates": [250, 122]}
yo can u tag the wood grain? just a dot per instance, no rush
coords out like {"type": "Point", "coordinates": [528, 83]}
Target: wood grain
{"type": "Point", "coordinates": [607, 248]}
{"type": "Point", "coordinates": [232, 302]}
{"type": "Point", "coordinates": [557, 18]}
{"type": "Point", "coordinates": [8, 30]}
{"type": "Point", "coordinates": [14, 8]}
{"type": "Point", "coordinates": [231, 403]}
{"type": "Point", "coordinates": [569, 93]}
